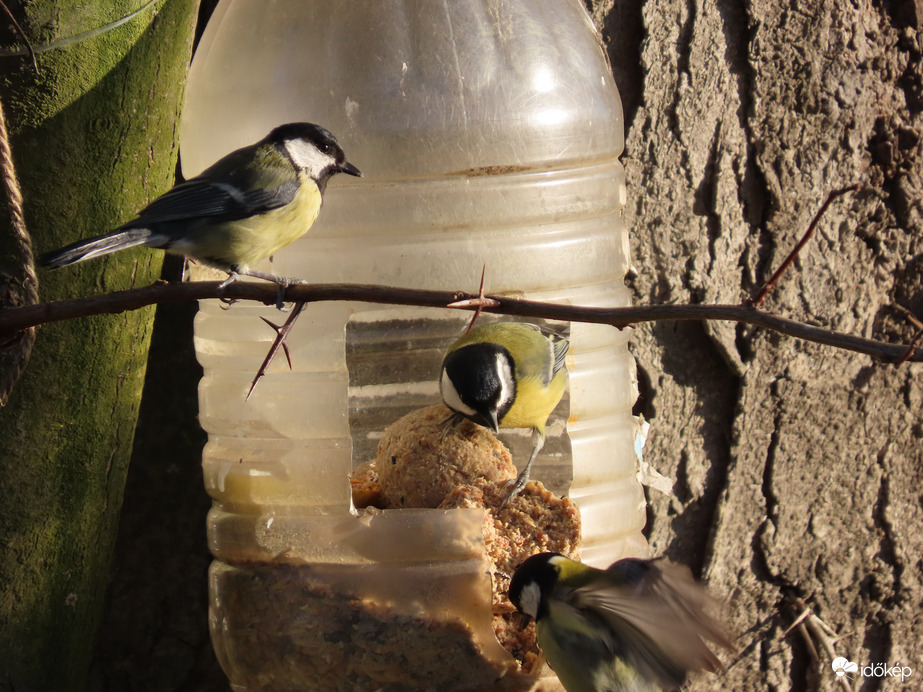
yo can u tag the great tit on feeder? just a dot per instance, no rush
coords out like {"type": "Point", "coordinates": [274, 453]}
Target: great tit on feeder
{"type": "Point", "coordinates": [639, 625]}
{"type": "Point", "coordinates": [239, 211]}
{"type": "Point", "coordinates": [506, 375]}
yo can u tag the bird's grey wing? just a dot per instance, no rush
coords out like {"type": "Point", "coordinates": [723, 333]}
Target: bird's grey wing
{"type": "Point", "coordinates": [560, 343]}
{"type": "Point", "coordinates": [553, 362]}
{"type": "Point", "coordinates": [560, 346]}
{"type": "Point", "coordinates": [227, 200]}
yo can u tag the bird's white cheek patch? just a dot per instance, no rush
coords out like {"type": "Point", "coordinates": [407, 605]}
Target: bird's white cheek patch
{"type": "Point", "coordinates": [507, 382]}
{"type": "Point", "coordinates": [450, 396]}
{"type": "Point", "coordinates": [529, 599]}
{"type": "Point", "coordinates": [307, 156]}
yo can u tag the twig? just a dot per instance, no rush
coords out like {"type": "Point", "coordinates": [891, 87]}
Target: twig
{"type": "Point", "coordinates": [917, 337]}
{"type": "Point", "coordinates": [768, 286]}
{"type": "Point", "coordinates": [814, 630]}
{"type": "Point", "coordinates": [16, 319]}
{"type": "Point", "coordinates": [913, 319]}
{"type": "Point", "coordinates": [282, 332]}
{"type": "Point", "coordinates": [22, 34]}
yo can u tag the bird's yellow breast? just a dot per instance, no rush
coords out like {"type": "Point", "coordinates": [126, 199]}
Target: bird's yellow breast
{"type": "Point", "coordinates": [245, 242]}
{"type": "Point", "coordinates": [581, 658]}
{"type": "Point", "coordinates": [534, 402]}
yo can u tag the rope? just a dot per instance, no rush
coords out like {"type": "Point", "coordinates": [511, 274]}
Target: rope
{"type": "Point", "coordinates": [26, 338]}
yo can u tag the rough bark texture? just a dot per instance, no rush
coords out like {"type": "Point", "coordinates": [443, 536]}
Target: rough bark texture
{"type": "Point", "coordinates": [93, 140]}
{"type": "Point", "coordinates": [797, 467]}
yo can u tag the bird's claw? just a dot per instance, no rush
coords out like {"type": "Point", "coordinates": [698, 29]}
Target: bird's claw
{"type": "Point", "coordinates": [228, 302]}
{"type": "Point", "coordinates": [283, 284]}
{"type": "Point", "coordinates": [449, 424]}
{"type": "Point", "coordinates": [232, 277]}
{"type": "Point", "coordinates": [280, 297]}
{"type": "Point", "coordinates": [514, 487]}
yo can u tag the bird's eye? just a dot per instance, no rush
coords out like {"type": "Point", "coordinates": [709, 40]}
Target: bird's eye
{"type": "Point", "coordinates": [325, 147]}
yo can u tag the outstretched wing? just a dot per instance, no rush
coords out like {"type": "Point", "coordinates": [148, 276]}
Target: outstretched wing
{"type": "Point", "coordinates": [656, 611]}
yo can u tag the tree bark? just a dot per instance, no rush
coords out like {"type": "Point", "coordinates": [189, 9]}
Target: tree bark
{"type": "Point", "coordinates": [797, 466]}
{"type": "Point", "coordinates": [93, 138]}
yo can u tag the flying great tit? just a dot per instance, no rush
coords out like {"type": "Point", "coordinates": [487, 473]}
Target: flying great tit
{"type": "Point", "coordinates": [506, 375]}
{"type": "Point", "coordinates": [639, 625]}
{"type": "Point", "coordinates": [239, 211]}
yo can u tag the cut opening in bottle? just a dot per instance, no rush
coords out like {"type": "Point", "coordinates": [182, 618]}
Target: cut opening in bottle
{"type": "Point", "coordinates": [394, 359]}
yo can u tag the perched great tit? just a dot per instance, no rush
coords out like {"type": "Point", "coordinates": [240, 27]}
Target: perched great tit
{"type": "Point", "coordinates": [238, 211]}
{"type": "Point", "coordinates": [506, 375]}
{"type": "Point", "coordinates": [638, 625]}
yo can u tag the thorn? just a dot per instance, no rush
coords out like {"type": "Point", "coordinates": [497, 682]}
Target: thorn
{"type": "Point", "coordinates": [480, 302]}
{"type": "Point", "coordinates": [278, 331]}
{"type": "Point", "coordinates": [474, 302]}
{"type": "Point", "coordinates": [279, 342]}
{"type": "Point", "coordinates": [769, 285]}
{"type": "Point", "coordinates": [805, 614]}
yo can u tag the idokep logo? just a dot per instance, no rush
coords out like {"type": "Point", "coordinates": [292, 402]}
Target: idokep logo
{"type": "Point", "coordinates": [842, 666]}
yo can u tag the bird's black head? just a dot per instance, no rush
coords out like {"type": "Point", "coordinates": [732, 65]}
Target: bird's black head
{"type": "Point", "coordinates": [313, 149]}
{"type": "Point", "coordinates": [478, 382]}
{"type": "Point", "coordinates": [532, 581]}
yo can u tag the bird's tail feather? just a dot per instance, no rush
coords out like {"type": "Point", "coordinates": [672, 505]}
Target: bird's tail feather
{"type": "Point", "coordinates": [95, 247]}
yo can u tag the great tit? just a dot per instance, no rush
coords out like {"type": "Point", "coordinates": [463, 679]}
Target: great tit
{"type": "Point", "coordinates": [506, 375]}
{"type": "Point", "coordinates": [238, 211]}
{"type": "Point", "coordinates": [638, 625]}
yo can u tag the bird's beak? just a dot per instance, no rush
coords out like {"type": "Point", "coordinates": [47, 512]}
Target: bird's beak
{"type": "Point", "coordinates": [490, 420]}
{"type": "Point", "coordinates": [349, 169]}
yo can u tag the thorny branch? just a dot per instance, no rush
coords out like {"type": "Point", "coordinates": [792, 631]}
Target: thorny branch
{"type": "Point", "coordinates": [808, 234]}
{"type": "Point", "coordinates": [15, 319]}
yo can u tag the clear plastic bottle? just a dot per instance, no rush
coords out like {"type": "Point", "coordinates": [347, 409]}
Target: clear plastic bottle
{"type": "Point", "coordinates": [488, 132]}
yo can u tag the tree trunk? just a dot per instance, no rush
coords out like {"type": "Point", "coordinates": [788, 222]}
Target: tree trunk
{"type": "Point", "coordinates": [797, 467]}
{"type": "Point", "coordinates": [93, 137]}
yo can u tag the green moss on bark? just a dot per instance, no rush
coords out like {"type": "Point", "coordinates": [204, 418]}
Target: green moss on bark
{"type": "Point", "coordinates": [93, 140]}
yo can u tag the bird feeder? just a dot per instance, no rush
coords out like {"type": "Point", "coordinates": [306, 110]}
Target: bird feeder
{"type": "Point", "coordinates": [488, 133]}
